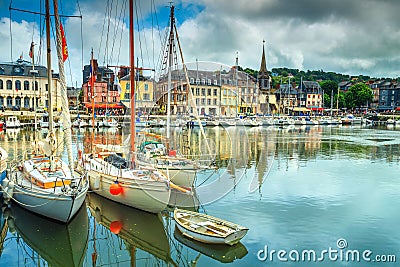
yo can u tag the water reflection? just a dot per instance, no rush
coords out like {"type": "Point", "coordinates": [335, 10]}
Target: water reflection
{"type": "Point", "coordinates": [294, 187]}
{"type": "Point", "coordinates": [47, 242]}
{"type": "Point", "coordinates": [143, 237]}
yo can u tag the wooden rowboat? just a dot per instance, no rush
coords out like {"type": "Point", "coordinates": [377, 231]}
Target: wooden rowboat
{"type": "Point", "coordinates": [208, 229]}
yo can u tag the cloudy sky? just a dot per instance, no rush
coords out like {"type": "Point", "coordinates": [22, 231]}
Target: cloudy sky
{"type": "Point", "coordinates": [352, 37]}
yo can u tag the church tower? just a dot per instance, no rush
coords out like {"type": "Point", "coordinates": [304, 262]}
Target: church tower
{"type": "Point", "coordinates": [263, 77]}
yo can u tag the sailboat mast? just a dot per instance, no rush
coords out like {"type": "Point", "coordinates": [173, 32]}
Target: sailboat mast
{"type": "Point", "coordinates": [170, 64]}
{"type": "Point", "coordinates": [132, 80]}
{"type": "Point", "coordinates": [50, 100]}
{"type": "Point", "coordinates": [66, 116]}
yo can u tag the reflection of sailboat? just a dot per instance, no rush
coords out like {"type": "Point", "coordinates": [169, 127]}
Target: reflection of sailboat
{"type": "Point", "coordinates": [183, 200]}
{"type": "Point", "coordinates": [57, 243]}
{"type": "Point", "coordinates": [138, 229]}
{"type": "Point", "coordinates": [221, 253]}
{"type": "Point", "coordinates": [3, 229]}
{"type": "Point", "coordinates": [45, 184]}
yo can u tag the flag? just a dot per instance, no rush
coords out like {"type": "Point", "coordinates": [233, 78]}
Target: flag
{"type": "Point", "coordinates": [63, 44]}
{"type": "Point", "coordinates": [31, 50]}
{"type": "Point", "coordinates": [118, 85]}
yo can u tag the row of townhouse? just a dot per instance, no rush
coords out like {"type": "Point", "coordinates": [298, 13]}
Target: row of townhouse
{"type": "Point", "coordinates": [386, 94]}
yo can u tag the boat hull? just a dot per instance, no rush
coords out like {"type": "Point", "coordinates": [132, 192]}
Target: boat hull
{"type": "Point", "coordinates": [148, 195]}
{"type": "Point", "coordinates": [46, 203]}
{"type": "Point", "coordinates": [207, 229]}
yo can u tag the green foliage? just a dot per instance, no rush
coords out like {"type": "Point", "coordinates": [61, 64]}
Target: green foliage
{"type": "Point", "coordinates": [329, 87]}
{"type": "Point", "coordinates": [358, 95]}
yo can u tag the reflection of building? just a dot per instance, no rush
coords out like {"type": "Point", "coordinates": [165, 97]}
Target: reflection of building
{"type": "Point", "coordinates": [25, 87]}
{"type": "Point", "coordinates": [144, 96]}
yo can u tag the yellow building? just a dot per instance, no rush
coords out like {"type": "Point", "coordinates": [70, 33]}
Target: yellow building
{"type": "Point", "coordinates": [144, 93]}
{"type": "Point", "coordinates": [23, 87]}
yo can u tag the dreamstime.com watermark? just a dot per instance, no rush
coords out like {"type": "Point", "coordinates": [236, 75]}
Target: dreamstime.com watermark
{"type": "Point", "coordinates": [339, 253]}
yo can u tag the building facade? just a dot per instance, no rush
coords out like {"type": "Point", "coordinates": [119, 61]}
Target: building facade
{"type": "Point", "coordinates": [210, 93]}
{"type": "Point", "coordinates": [24, 87]}
{"type": "Point", "coordinates": [144, 94]}
{"type": "Point", "coordinates": [104, 96]}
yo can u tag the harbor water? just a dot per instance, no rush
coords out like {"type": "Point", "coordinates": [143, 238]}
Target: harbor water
{"type": "Point", "coordinates": [310, 196]}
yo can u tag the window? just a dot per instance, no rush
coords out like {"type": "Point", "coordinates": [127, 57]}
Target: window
{"type": "Point", "coordinates": [146, 87]}
{"type": "Point", "coordinates": [1, 101]}
{"type": "Point", "coordinates": [197, 91]}
{"type": "Point", "coordinates": [215, 82]}
{"type": "Point", "coordinates": [209, 81]}
{"type": "Point", "coordinates": [26, 102]}
{"type": "Point", "coordinates": [209, 92]}
{"type": "Point", "coordinates": [197, 101]}
{"type": "Point", "coordinates": [9, 101]}
{"type": "Point", "coordinates": [203, 91]}
{"type": "Point", "coordinates": [47, 89]}
{"type": "Point", "coordinates": [197, 81]}
{"type": "Point", "coordinates": [208, 101]}
{"type": "Point", "coordinates": [203, 81]}
{"type": "Point", "coordinates": [17, 85]}
{"type": "Point", "coordinates": [215, 102]}
{"type": "Point", "coordinates": [26, 85]}
{"type": "Point", "coordinates": [9, 85]}
{"type": "Point", "coordinates": [36, 85]}
{"type": "Point", "coordinates": [1, 84]}
{"type": "Point", "coordinates": [203, 101]}
{"type": "Point", "coordinates": [146, 97]}
{"type": "Point", "coordinates": [128, 86]}
{"type": "Point", "coordinates": [191, 80]}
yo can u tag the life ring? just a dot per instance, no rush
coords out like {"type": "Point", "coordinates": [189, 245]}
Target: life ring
{"type": "Point", "coordinates": [89, 94]}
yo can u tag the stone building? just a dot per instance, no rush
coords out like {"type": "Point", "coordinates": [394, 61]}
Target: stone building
{"type": "Point", "coordinates": [24, 87]}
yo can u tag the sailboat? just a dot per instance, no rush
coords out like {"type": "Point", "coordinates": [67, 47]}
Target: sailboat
{"type": "Point", "coordinates": [119, 178]}
{"type": "Point", "coordinates": [44, 183]}
{"type": "Point", "coordinates": [180, 170]}
{"type": "Point", "coordinates": [3, 163]}
{"type": "Point", "coordinates": [56, 243]}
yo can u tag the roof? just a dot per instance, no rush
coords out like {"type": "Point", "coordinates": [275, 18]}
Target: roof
{"type": "Point", "coordinates": [21, 68]}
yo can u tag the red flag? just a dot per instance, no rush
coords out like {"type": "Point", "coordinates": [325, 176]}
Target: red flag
{"type": "Point", "coordinates": [63, 43]}
{"type": "Point", "coordinates": [31, 50]}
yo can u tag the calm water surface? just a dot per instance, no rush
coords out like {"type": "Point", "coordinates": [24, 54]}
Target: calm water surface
{"type": "Point", "coordinates": [332, 191]}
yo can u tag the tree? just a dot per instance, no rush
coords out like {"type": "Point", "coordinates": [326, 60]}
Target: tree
{"type": "Point", "coordinates": [358, 95]}
{"type": "Point", "coordinates": [330, 89]}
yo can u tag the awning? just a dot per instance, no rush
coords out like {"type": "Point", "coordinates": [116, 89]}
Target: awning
{"type": "Point", "coordinates": [300, 109]}
{"type": "Point", "coordinates": [104, 105]}
{"type": "Point", "coordinates": [316, 109]}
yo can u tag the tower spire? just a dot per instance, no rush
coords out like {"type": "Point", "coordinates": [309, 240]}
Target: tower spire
{"type": "Point", "coordinates": [263, 77]}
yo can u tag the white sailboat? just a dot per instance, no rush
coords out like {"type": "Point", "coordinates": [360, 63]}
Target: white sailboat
{"type": "Point", "coordinates": [120, 179]}
{"type": "Point", "coordinates": [44, 183]}
{"type": "Point", "coordinates": [3, 163]}
{"type": "Point", "coordinates": [180, 170]}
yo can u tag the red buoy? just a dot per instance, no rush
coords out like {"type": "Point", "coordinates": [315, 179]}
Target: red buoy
{"type": "Point", "coordinates": [115, 189]}
{"type": "Point", "coordinates": [116, 227]}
